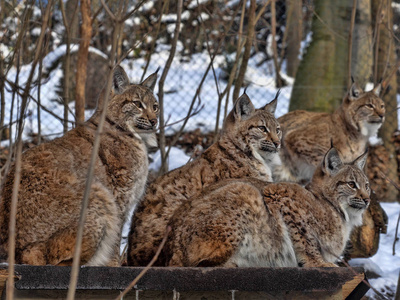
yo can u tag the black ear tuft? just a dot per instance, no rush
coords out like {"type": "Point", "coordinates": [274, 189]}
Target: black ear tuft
{"type": "Point", "coordinates": [120, 80]}
{"type": "Point", "coordinates": [271, 107]}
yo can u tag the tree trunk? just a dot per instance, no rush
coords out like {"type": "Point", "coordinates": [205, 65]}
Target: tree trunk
{"type": "Point", "coordinates": [321, 79]}
{"type": "Point", "coordinates": [384, 63]}
{"type": "Point", "coordinates": [81, 68]}
{"type": "Point", "coordinates": [294, 27]}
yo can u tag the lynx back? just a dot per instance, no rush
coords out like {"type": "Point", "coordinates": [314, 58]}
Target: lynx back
{"type": "Point", "coordinates": [54, 174]}
{"type": "Point", "coordinates": [251, 223]}
{"type": "Point", "coordinates": [248, 147]}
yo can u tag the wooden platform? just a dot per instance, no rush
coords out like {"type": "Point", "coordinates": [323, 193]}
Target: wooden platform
{"type": "Point", "coordinates": [49, 282]}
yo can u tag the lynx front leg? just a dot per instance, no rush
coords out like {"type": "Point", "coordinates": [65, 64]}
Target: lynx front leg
{"type": "Point", "coordinates": [306, 246]}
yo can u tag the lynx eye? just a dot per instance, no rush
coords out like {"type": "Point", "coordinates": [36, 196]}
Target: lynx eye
{"type": "Point", "coordinates": [155, 107]}
{"type": "Point", "coordinates": [367, 186]}
{"type": "Point", "coordinates": [352, 184]}
{"type": "Point", "coordinates": [263, 128]}
{"type": "Point", "coordinates": [369, 106]}
{"type": "Point", "coordinates": [278, 130]}
{"type": "Point", "coordinates": [138, 104]}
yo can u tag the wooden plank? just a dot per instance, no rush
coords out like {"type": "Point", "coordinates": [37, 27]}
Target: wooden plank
{"type": "Point", "coordinates": [350, 286]}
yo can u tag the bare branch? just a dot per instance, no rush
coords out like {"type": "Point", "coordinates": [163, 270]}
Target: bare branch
{"type": "Point", "coordinates": [153, 44]}
{"type": "Point", "coordinates": [109, 12]}
{"type": "Point", "coordinates": [164, 166]}
{"type": "Point", "coordinates": [350, 42]}
{"type": "Point", "coordinates": [129, 14]}
{"type": "Point", "coordinates": [11, 240]}
{"type": "Point", "coordinates": [89, 177]}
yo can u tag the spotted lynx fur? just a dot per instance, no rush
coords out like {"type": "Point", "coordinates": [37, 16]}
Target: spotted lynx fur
{"type": "Point", "coordinates": [53, 181]}
{"type": "Point", "coordinates": [251, 223]}
{"type": "Point", "coordinates": [248, 147]}
{"type": "Point", "coordinates": [307, 136]}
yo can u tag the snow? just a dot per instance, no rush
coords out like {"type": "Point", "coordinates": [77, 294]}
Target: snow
{"type": "Point", "coordinates": [384, 263]}
{"type": "Point", "coordinates": [179, 91]}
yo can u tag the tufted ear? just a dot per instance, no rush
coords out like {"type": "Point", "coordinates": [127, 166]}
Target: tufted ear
{"type": "Point", "coordinates": [377, 89]}
{"type": "Point", "coordinates": [120, 80]}
{"type": "Point", "coordinates": [354, 92]}
{"type": "Point", "coordinates": [243, 107]}
{"type": "Point", "coordinates": [271, 107]}
{"type": "Point", "coordinates": [361, 160]}
{"type": "Point", "coordinates": [332, 162]}
{"type": "Point", "coordinates": [150, 82]}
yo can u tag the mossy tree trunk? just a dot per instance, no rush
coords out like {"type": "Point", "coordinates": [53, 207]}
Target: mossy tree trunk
{"type": "Point", "coordinates": [321, 76]}
{"type": "Point", "coordinates": [321, 80]}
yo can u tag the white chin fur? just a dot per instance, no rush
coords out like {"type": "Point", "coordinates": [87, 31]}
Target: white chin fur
{"type": "Point", "coordinates": [369, 130]}
{"type": "Point", "coordinates": [150, 139]}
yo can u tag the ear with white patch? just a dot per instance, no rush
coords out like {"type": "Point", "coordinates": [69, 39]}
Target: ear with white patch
{"type": "Point", "coordinates": [150, 82]}
{"type": "Point", "coordinates": [120, 80]}
{"type": "Point", "coordinates": [243, 108]}
{"type": "Point", "coordinates": [361, 160]}
{"type": "Point", "coordinates": [271, 107]}
{"type": "Point", "coordinates": [354, 92]}
{"type": "Point", "coordinates": [332, 162]}
{"type": "Point", "coordinates": [377, 89]}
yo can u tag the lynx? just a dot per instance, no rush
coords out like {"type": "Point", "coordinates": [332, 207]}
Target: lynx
{"type": "Point", "coordinates": [250, 223]}
{"type": "Point", "coordinates": [53, 181]}
{"type": "Point", "coordinates": [307, 136]}
{"type": "Point", "coordinates": [248, 147]}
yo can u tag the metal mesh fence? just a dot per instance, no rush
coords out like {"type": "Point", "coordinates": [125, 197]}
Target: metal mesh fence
{"type": "Point", "coordinates": [208, 28]}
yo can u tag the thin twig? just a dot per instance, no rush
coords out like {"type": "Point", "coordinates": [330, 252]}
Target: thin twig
{"type": "Point", "coordinates": [278, 79]}
{"type": "Point", "coordinates": [398, 219]}
{"type": "Point", "coordinates": [12, 224]}
{"type": "Point", "coordinates": [379, 18]}
{"type": "Point", "coordinates": [90, 175]}
{"type": "Point", "coordinates": [153, 44]}
{"type": "Point", "coordinates": [173, 142]}
{"type": "Point", "coordinates": [164, 165]}
{"type": "Point", "coordinates": [25, 96]}
{"type": "Point", "coordinates": [144, 271]}
{"type": "Point", "coordinates": [108, 11]}
{"type": "Point", "coordinates": [350, 43]}
{"type": "Point", "coordinates": [129, 14]}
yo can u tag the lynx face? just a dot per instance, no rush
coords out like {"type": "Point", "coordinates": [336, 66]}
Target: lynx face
{"type": "Point", "coordinates": [348, 184]}
{"type": "Point", "coordinates": [138, 109]}
{"type": "Point", "coordinates": [365, 111]}
{"type": "Point", "coordinates": [255, 130]}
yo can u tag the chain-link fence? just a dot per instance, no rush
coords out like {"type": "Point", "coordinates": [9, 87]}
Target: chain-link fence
{"type": "Point", "coordinates": [210, 31]}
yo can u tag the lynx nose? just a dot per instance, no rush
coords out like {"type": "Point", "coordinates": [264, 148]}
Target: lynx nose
{"type": "Point", "coordinates": [277, 144]}
{"type": "Point", "coordinates": [153, 121]}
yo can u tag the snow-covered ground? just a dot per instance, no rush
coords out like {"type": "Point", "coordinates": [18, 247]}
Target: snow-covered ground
{"type": "Point", "coordinates": [180, 88]}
